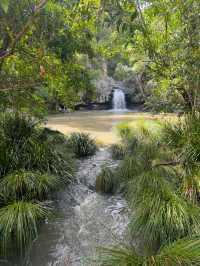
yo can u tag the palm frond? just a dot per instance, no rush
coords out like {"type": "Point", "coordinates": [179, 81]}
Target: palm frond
{"type": "Point", "coordinates": [18, 184]}
{"type": "Point", "coordinates": [22, 184]}
{"type": "Point", "coordinates": [24, 145]}
{"type": "Point", "coordinates": [105, 181]}
{"type": "Point", "coordinates": [82, 144]}
{"type": "Point", "coordinates": [118, 151]}
{"type": "Point", "coordinates": [184, 252]}
{"type": "Point", "coordinates": [173, 134]}
{"type": "Point", "coordinates": [147, 154]}
{"type": "Point", "coordinates": [161, 216]}
{"type": "Point", "coordinates": [48, 183]}
{"type": "Point", "coordinates": [191, 186]}
{"type": "Point", "coordinates": [183, 138]}
{"type": "Point", "coordinates": [118, 256]}
{"type": "Point", "coordinates": [19, 222]}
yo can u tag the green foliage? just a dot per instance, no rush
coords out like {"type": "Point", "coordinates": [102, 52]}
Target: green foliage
{"type": "Point", "coordinates": [5, 5]}
{"type": "Point", "coordinates": [142, 40]}
{"type": "Point", "coordinates": [163, 194]}
{"type": "Point", "coordinates": [151, 189]}
{"type": "Point", "coordinates": [139, 128]}
{"type": "Point", "coordinates": [161, 216]}
{"type": "Point", "coordinates": [19, 221]}
{"type": "Point", "coordinates": [39, 45]}
{"type": "Point", "coordinates": [123, 72]}
{"type": "Point", "coordinates": [128, 168]}
{"type": "Point", "coordinates": [82, 144]}
{"type": "Point", "coordinates": [174, 134]}
{"type": "Point", "coordinates": [120, 256]}
{"type": "Point", "coordinates": [34, 163]}
{"type": "Point", "coordinates": [182, 137]}
{"type": "Point", "coordinates": [105, 181]}
{"type": "Point", "coordinates": [23, 146]}
{"type": "Point", "coordinates": [174, 58]}
{"type": "Point", "coordinates": [159, 41]}
{"type": "Point", "coordinates": [143, 148]}
{"type": "Point", "coordinates": [181, 252]}
{"type": "Point", "coordinates": [164, 101]}
{"type": "Point", "coordinates": [191, 186]}
{"type": "Point", "coordinates": [26, 185]}
{"type": "Point", "coordinates": [118, 151]}
{"type": "Point", "coordinates": [54, 137]}
{"type": "Point", "coordinates": [124, 130]}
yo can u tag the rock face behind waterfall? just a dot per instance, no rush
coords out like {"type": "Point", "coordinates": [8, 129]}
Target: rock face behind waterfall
{"type": "Point", "coordinates": [106, 86]}
{"type": "Point", "coordinates": [104, 92]}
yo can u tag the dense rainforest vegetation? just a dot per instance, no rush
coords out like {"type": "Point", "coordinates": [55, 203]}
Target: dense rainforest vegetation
{"type": "Point", "coordinates": [53, 53]}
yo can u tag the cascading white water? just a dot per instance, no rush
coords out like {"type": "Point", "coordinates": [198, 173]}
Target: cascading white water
{"type": "Point", "coordinates": [87, 220]}
{"type": "Point", "coordinates": [119, 102]}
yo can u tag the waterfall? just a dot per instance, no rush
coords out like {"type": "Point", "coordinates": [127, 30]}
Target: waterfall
{"type": "Point", "coordinates": [119, 102]}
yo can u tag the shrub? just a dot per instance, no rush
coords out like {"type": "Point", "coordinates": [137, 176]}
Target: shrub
{"type": "Point", "coordinates": [124, 131]}
{"type": "Point", "coordinates": [105, 181]}
{"type": "Point", "coordinates": [146, 153]}
{"type": "Point", "coordinates": [128, 168]}
{"type": "Point", "coordinates": [191, 186]}
{"type": "Point", "coordinates": [139, 128]}
{"type": "Point", "coordinates": [82, 144]}
{"type": "Point", "coordinates": [34, 162]}
{"type": "Point", "coordinates": [139, 133]}
{"type": "Point", "coordinates": [15, 132]}
{"type": "Point", "coordinates": [15, 127]}
{"type": "Point", "coordinates": [118, 151]}
{"type": "Point", "coordinates": [22, 184]}
{"type": "Point", "coordinates": [155, 170]}
{"type": "Point", "coordinates": [173, 135]}
{"type": "Point", "coordinates": [19, 222]}
{"type": "Point", "coordinates": [25, 147]}
{"type": "Point", "coordinates": [161, 216]}
{"type": "Point", "coordinates": [54, 137]}
{"type": "Point", "coordinates": [184, 137]}
{"type": "Point", "coordinates": [182, 252]}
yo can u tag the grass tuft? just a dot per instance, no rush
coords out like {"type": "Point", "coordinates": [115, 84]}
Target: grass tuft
{"type": "Point", "coordinates": [82, 144]}
{"type": "Point", "coordinates": [104, 181]}
{"type": "Point", "coordinates": [19, 221]}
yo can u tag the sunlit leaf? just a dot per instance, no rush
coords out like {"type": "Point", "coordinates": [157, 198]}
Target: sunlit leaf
{"type": "Point", "coordinates": [4, 5]}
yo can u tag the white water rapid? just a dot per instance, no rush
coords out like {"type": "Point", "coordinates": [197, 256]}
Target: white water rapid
{"type": "Point", "coordinates": [83, 221]}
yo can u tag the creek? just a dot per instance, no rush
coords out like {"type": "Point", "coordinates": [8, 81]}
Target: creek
{"type": "Point", "coordinates": [85, 220]}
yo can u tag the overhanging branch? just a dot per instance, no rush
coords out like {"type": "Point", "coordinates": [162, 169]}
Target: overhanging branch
{"type": "Point", "coordinates": [10, 50]}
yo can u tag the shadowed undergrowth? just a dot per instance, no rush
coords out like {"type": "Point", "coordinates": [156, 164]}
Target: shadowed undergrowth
{"type": "Point", "coordinates": [34, 163]}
